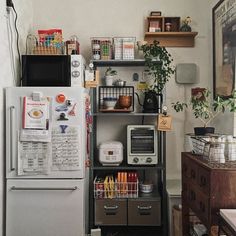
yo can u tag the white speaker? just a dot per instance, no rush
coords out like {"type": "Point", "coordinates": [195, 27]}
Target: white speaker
{"type": "Point", "coordinates": [186, 73]}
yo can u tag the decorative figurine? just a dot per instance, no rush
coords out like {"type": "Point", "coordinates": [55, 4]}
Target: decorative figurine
{"type": "Point", "coordinates": [186, 27]}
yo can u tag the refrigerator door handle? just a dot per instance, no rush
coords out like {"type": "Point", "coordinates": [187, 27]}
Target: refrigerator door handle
{"type": "Point", "coordinates": [46, 189]}
{"type": "Point", "coordinates": [12, 146]}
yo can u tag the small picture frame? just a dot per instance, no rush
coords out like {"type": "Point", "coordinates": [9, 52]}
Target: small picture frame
{"type": "Point", "coordinates": [155, 13]}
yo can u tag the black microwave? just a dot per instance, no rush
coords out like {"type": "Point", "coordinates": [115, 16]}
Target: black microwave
{"type": "Point", "coordinates": [53, 70]}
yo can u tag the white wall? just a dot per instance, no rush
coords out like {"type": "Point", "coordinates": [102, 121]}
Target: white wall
{"type": "Point", "coordinates": [88, 18]}
{"type": "Point", "coordinates": [127, 18]}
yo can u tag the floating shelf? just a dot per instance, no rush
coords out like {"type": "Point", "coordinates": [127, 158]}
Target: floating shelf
{"type": "Point", "coordinates": [172, 39]}
{"type": "Point", "coordinates": [135, 62]}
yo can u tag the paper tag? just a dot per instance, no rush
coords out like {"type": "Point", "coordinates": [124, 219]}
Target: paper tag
{"type": "Point", "coordinates": [164, 123]}
{"type": "Point", "coordinates": [142, 86]}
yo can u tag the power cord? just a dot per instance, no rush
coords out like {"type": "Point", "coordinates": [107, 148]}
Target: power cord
{"type": "Point", "coordinates": [17, 36]}
{"type": "Point", "coordinates": [11, 53]}
{"type": "Point", "coordinates": [11, 5]}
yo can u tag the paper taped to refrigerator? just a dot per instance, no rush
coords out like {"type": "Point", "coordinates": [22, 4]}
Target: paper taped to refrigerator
{"type": "Point", "coordinates": [35, 113]}
{"type": "Point", "coordinates": [35, 135]}
{"type": "Point", "coordinates": [33, 158]}
{"type": "Point", "coordinates": [66, 146]}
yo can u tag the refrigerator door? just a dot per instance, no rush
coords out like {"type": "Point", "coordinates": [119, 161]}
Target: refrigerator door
{"type": "Point", "coordinates": [45, 207]}
{"type": "Point", "coordinates": [76, 121]}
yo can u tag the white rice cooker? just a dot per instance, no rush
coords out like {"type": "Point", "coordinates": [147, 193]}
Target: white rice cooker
{"type": "Point", "coordinates": [111, 153]}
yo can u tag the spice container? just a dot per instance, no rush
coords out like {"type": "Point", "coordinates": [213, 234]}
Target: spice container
{"type": "Point", "coordinates": [72, 45]}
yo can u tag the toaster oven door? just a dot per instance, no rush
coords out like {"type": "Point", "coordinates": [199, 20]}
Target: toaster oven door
{"type": "Point", "coordinates": [142, 145]}
{"type": "Point", "coordinates": [142, 141]}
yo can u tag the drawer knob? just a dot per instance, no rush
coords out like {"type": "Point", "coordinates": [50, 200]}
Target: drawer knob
{"type": "Point", "coordinates": [202, 207]}
{"type": "Point", "coordinates": [193, 174]}
{"type": "Point", "coordinates": [192, 196]}
{"type": "Point", "coordinates": [202, 181]}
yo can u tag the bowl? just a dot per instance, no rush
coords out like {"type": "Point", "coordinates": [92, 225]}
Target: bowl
{"type": "Point", "coordinates": [109, 102]}
{"type": "Point", "coordinates": [146, 187]}
{"type": "Point", "coordinates": [125, 101]}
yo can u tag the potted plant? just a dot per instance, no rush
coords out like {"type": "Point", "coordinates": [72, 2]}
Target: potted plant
{"type": "Point", "coordinates": [158, 61]}
{"type": "Point", "coordinates": [109, 76]}
{"type": "Point", "coordinates": [205, 108]}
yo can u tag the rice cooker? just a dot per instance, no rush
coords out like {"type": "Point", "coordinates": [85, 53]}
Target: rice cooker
{"type": "Point", "coordinates": [111, 153]}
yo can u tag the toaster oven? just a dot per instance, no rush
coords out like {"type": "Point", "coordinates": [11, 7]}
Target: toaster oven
{"type": "Point", "coordinates": [142, 145]}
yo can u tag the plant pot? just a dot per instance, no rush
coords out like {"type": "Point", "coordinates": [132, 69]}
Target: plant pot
{"type": "Point", "coordinates": [204, 130]}
{"type": "Point", "coordinates": [109, 79]}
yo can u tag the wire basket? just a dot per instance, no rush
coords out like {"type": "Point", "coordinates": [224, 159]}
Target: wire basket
{"type": "Point", "coordinates": [101, 48]}
{"type": "Point", "coordinates": [114, 189]}
{"type": "Point", "coordinates": [197, 144]}
{"type": "Point", "coordinates": [116, 99]}
{"type": "Point", "coordinates": [216, 150]}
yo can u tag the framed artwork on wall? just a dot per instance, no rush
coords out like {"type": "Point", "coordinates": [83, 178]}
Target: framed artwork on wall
{"type": "Point", "coordinates": [224, 47]}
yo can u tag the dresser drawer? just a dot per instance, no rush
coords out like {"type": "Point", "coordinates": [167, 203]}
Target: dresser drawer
{"type": "Point", "coordinates": [203, 206]}
{"type": "Point", "coordinates": [192, 197]}
{"type": "Point", "coordinates": [193, 172]}
{"type": "Point", "coordinates": [185, 168]}
{"type": "Point", "coordinates": [204, 180]}
{"type": "Point", "coordinates": [110, 212]}
{"type": "Point", "coordinates": [144, 212]}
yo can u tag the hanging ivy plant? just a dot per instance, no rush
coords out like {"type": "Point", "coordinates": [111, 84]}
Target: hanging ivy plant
{"type": "Point", "coordinates": [159, 65]}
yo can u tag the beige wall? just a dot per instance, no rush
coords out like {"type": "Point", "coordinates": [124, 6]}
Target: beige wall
{"type": "Point", "coordinates": [127, 18]}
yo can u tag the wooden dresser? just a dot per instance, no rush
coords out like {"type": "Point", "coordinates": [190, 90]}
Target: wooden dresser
{"type": "Point", "coordinates": [205, 190]}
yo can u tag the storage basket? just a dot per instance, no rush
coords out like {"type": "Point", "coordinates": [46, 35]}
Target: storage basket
{"type": "Point", "coordinates": [114, 189]}
{"type": "Point", "coordinates": [124, 48]}
{"type": "Point", "coordinates": [114, 93]}
{"type": "Point", "coordinates": [101, 48]}
{"type": "Point", "coordinates": [45, 50]}
{"type": "Point", "coordinates": [197, 144]}
{"type": "Point", "coordinates": [215, 150]}
{"type": "Point", "coordinates": [49, 42]}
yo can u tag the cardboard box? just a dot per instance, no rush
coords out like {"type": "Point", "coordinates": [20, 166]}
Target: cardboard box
{"type": "Point", "coordinates": [177, 221]}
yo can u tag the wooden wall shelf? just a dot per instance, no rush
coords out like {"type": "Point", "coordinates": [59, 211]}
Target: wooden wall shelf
{"type": "Point", "coordinates": [172, 39]}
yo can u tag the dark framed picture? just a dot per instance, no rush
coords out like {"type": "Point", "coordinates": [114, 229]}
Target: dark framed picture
{"type": "Point", "coordinates": [155, 13]}
{"type": "Point", "coordinates": [224, 47]}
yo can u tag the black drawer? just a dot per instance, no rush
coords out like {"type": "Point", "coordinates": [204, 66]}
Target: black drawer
{"type": "Point", "coordinates": [110, 212]}
{"type": "Point", "coordinates": [144, 212]}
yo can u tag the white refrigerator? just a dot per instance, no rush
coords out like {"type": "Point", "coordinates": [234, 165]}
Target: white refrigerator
{"type": "Point", "coordinates": [45, 161]}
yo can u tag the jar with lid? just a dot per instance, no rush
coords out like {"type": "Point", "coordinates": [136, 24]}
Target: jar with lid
{"type": "Point", "coordinates": [72, 45]}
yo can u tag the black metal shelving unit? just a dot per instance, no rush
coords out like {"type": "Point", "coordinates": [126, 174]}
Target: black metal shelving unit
{"type": "Point", "coordinates": [160, 168]}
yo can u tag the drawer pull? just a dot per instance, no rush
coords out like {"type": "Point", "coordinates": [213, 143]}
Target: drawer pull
{"type": "Point", "coordinates": [185, 169]}
{"type": "Point", "coordinates": [111, 208]}
{"type": "Point", "coordinates": [202, 207]}
{"type": "Point", "coordinates": [202, 181]}
{"type": "Point", "coordinates": [193, 174]}
{"type": "Point", "coordinates": [144, 208]}
{"type": "Point", "coordinates": [192, 195]}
